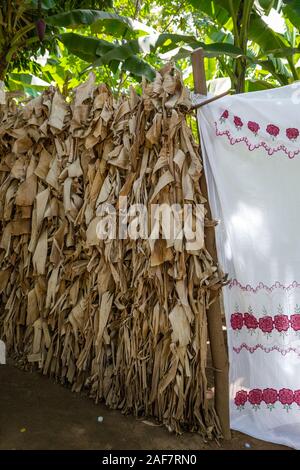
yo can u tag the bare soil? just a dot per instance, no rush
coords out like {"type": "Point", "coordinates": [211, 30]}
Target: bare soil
{"type": "Point", "coordinates": [36, 413]}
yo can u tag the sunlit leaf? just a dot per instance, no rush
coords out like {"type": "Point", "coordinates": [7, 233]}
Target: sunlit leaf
{"type": "Point", "coordinates": [116, 24]}
{"type": "Point", "coordinates": [87, 48]}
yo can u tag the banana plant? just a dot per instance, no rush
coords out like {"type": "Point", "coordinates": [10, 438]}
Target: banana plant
{"type": "Point", "coordinates": [233, 32]}
{"type": "Point", "coordinates": [291, 10]}
{"type": "Point", "coordinates": [17, 32]}
{"type": "Point", "coordinates": [245, 40]}
{"type": "Point", "coordinates": [24, 35]}
{"type": "Point", "coordinates": [133, 42]}
{"type": "Point", "coordinates": [244, 19]}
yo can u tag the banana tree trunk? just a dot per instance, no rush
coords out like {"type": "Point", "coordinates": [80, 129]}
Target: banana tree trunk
{"type": "Point", "coordinates": [239, 69]}
{"type": "Point", "coordinates": [2, 72]}
{"type": "Point", "coordinates": [3, 62]}
{"type": "Point", "coordinates": [241, 28]}
{"type": "Point", "coordinates": [240, 75]}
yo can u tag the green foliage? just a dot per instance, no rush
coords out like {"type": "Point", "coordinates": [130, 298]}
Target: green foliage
{"type": "Point", "coordinates": [22, 39]}
{"type": "Point", "coordinates": [124, 40]}
{"type": "Point", "coordinates": [102, 21]}
{"type": "Point", "coordinates": [291, 11]}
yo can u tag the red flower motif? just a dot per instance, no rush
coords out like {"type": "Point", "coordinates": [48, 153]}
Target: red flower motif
{"type": "Point", "coordinates": [297, 397]}
{"type": "Point", "coordinates": [272, 130]}
{"type": "Point", "coordinates": [237, 121]}
{"type": "Point", "coordinates": [225, 114]}
{"type": "Point", "coordinates": [292, 133]}
{"type": "Point", "coordinates": [237, 321]}
{"type": "Point", "coordinates": [250, 321]}
{"type": "Point", "coordinates": [240, 398]}
{"type": "Point", "coordinates": [281, 322]}
{"type": "Point", "coordinates": [266, 324]}
{"type": "Point", "coordinates": [269, 396]}
{"type": "Point", "coordinates": [286, 396]}
{"type": "Point", "coordinates": [255, 396]}
{"type": "Point", "coordinates": [295, 321]}
{"type": "Point", "coordinates": [253, 126]}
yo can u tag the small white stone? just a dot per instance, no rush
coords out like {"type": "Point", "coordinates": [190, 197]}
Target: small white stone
{"type": "Point", "coordinates": [2, 353]}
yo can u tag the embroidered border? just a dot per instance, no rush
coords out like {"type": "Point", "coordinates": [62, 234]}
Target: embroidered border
{"type": "Point", "coordinates": [261, 285]}
{"type": "Point", "coordinates": [252, 349]}
{"type": "Point", "coordinates": [266, 323]}
{"type": "Point", "coordinates": [270, 150]}
{"type": "Point", "coordinates": [268, 396]}
{"type": "Point", "coordinates": [272, 131]}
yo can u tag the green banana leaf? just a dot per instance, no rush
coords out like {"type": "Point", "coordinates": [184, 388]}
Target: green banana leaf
{"type": "Point", "coordinates": [117, 25]}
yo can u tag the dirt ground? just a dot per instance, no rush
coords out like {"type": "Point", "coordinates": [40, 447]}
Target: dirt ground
{"type": "Point", "coordinates": [36, 413]}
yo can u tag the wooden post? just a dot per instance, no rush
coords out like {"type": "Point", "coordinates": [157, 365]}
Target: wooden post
{"type": "Point", "coordinates": [214, 317]}
{"type": "Point", "coordinates": [199, 71]}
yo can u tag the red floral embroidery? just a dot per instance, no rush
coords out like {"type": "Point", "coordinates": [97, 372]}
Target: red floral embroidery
{"type": "Point", "coordinates": [240, 398]}
{"type": "Point", "coordinates": [286, 396]}
{"type": "Point", "coordinates": [250, 321]}
{"type": "Point", "coordinates": [266, 324]}
{"type": "Point", "coordinates": [292, 133]}
{"type": "Point", "coordinates": [255, 396]}
{"type": "Point", "coordinates": [253, 126]}
{"type": "Point", "coordinates": [270, 150]}
{"type": "Point", "coordinates": [297, 397]}
{"type": "Point", "coordinates": [295, 321]}
{"type": "Point", "coordinates": [272, 130]}
{"type": "Point", "coordinates": [237, 321]}
{"type": "Point", "coordinates": [237, 122]}
{"type": "Point", "coordinates": [281, 322]}
{"type": "Point", "coordinates": [270, 396]}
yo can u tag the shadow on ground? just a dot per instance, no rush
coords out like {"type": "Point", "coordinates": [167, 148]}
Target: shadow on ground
{"type": "Point", "coordinates": [36, 413]}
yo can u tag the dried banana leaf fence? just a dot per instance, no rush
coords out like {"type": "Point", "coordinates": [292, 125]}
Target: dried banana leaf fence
{"type": "Point", "coordinates": [123, 318]}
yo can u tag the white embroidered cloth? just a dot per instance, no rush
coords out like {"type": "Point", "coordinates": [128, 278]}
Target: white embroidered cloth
{"type": "Point", "coordinates": [251, 150]}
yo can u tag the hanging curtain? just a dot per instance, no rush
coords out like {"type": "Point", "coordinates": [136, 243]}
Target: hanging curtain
{"type": "Point", "coordinates": [251, 150]}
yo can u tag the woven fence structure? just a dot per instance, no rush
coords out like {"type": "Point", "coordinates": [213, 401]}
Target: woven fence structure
{"type": "Point", "coordinates": [122, 318]}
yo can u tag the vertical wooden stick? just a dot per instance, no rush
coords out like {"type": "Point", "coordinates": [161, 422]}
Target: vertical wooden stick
{"type": "Point", "coordinates": [214, 318]}
{"type": "Point", "coordinates": [199, 71]}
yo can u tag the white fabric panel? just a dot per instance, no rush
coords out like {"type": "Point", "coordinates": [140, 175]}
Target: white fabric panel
{"type": "Point", "coordinates": [251, 151]}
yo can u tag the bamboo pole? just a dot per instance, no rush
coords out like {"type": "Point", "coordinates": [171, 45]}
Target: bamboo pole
{"type": "Point", "coordinates": [214, 318]}
{"type": "Point", "coordinates": [210, 100]}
